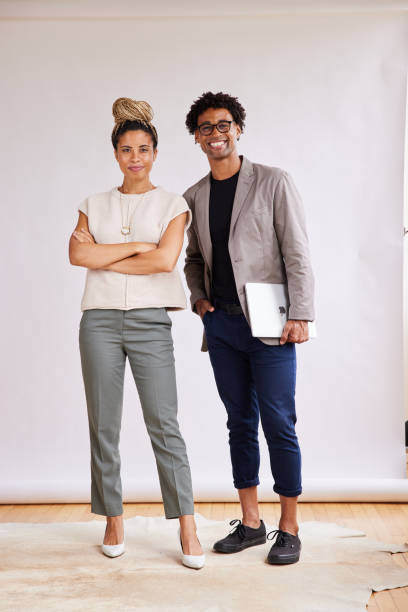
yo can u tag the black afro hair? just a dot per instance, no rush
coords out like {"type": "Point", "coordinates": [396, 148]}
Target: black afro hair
{"type": "Point", "coordinates": [212, 100]}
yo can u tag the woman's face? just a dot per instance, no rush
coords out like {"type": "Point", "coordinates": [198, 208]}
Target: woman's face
{"type": "Point", "coordinates": [135, 154]}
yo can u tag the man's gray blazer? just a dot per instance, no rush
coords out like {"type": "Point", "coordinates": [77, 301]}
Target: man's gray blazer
{"type": "Point", "coordinates": [267, 240]}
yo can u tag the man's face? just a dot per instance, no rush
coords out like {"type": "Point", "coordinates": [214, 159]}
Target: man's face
{"type": "Point", "coordinates": [217, 145]}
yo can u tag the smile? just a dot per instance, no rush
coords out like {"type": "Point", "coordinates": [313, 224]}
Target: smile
{"type": "Point", "coordinates": [219, 144]}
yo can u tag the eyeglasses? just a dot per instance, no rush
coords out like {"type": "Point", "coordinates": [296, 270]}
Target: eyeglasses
{"type": "Point", "coordinates": [207, 128]}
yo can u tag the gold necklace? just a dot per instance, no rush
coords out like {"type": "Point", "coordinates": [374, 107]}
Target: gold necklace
{"type": "Point", "coordinates": [125, 230]}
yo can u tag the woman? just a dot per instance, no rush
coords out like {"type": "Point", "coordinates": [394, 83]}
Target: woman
{"type": "Point", "coordinates": [130, 239]}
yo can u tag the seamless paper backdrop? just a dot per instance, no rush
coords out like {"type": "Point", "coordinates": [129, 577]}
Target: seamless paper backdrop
{"type": "Point", "coordinates": [325, 98]}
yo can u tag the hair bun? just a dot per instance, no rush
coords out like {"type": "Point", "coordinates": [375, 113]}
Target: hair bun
{"type": "Point", "coordinates": [126, 109]}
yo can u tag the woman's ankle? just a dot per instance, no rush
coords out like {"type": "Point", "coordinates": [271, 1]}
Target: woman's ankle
{"type": "Point", "coordinates": [187, 523]}
{"type": "Point", "coordinates": [115, 519]}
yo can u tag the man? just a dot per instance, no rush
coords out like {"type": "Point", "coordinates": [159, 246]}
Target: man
{"type": "Point", "coordinates": [249, 226]}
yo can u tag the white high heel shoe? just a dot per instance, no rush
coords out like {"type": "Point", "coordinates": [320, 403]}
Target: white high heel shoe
{"type": "Point", "coordinates": [113, 550]}
{"type": "Point", "coordinates": [193, 561]}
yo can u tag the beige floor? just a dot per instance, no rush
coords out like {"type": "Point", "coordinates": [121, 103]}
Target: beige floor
{"type": "Point", "coordinates": [385, 522]}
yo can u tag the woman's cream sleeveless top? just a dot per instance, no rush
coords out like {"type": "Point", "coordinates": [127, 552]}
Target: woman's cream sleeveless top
{"type": "Point", "coordinates": [148, 215]}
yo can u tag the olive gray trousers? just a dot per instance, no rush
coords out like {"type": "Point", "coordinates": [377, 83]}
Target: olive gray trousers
{"type": "Point", "coordinates": [106, 337]}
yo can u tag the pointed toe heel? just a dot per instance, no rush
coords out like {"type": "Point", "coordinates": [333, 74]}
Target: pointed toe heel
{"type": "Point", "coordinates": [113, 550]}
{"type": "Point", "coordinates": [193, 561]}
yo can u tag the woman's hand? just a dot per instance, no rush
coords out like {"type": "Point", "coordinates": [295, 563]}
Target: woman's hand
{"type": "Point", "coordinates": [140, 247]}
{"type": "Point", "coordinates": [145, 247]}
{"type": "Point", "coordinates": [83, 235]}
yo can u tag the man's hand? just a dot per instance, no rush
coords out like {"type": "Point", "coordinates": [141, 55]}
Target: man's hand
{"type": "Point", "coordinates": [295, 331]}
{"type": "Point", "coordinates": [202, 306]}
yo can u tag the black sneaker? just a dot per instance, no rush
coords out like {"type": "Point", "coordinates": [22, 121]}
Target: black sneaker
{"type": "Point", "coordinates": [241, 537]}
{"type": "Point", "coordinates": [286, 548]}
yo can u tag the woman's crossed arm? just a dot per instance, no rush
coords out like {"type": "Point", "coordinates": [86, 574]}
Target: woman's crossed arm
{"type": "Point", "coordinates": [128, 257]}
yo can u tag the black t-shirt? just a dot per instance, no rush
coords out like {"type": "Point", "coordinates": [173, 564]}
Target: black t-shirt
{"type": "Point", "coordinates": [222, 195]}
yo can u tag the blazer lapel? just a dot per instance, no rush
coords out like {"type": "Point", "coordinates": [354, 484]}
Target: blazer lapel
{"type": "Point", "coordinates": [202, 212]}
{"type": "Point", "coordinates": [202, 206]}
{"type": "Point", "coordinates": [245, 180]}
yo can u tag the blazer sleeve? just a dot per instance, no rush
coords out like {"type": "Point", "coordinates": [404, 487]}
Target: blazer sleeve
{"type": "Point", "coordinates": [194, 266]}
{"type": "Point", "coordinates": [290, 228]}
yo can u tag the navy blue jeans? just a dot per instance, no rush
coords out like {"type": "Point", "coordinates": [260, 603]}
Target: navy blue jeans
{"type": "Point", "coordinates": [256, 380]}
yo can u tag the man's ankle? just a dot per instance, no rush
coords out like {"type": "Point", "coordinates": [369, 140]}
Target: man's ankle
{"type": "Point", "coordinates": [251, 522]}
{"type": "Point", "coordinates": [289, 528]}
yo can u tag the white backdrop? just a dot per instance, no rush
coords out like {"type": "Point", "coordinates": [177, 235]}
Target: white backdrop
{"type": "Point", "coordinates": [325, 96]}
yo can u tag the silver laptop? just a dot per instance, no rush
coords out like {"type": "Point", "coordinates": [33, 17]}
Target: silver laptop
{"type": "Point", "coordinates": [268, 306]}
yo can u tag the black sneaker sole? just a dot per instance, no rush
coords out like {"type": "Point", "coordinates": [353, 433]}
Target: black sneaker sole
{"type": "Point", "coordinates": [248, 544]}
{"type": "Point", "coordinates": [285, 561]}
